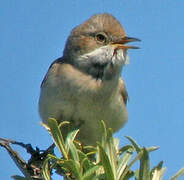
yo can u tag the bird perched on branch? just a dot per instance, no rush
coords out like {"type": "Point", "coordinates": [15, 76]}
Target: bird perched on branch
{"type": "Point", "coordinates": [84, 86]}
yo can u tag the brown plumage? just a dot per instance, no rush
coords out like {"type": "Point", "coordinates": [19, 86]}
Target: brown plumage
{"type": "Point", "coordinates": [85, 85]}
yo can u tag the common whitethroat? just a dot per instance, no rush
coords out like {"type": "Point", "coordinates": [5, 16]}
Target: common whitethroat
{"type": "Point", "coordinates": [84, 86]}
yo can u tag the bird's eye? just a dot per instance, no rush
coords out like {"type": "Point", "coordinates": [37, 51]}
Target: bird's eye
{"type": "Point", "coordinates": [101, 38]}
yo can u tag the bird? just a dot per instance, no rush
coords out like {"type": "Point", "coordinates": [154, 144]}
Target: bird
{"type": "Point", "coordinates": [84, 86]}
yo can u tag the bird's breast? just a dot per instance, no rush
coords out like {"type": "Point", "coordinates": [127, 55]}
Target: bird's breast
{"type": "Point", "coordinates": [84, 101]}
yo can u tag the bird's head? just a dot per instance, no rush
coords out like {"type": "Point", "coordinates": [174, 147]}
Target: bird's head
{"type": "Point", "coordinates": [98, 47]}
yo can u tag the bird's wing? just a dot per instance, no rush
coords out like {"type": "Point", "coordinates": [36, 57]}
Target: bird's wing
{"type": "Point", "coordinates": [57, 61]}
{"type": "Point", "coordinates": [123, 91]}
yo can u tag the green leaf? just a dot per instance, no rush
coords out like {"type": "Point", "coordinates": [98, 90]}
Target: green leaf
{"type": "Point", "coordinates": [112, 153]}
{"type": "Point", "coordinates": [63, 123]}
{"type": "Point", "coordinates": [144, 172]}
{"type": "Point", "coordinates": [57, 136]}
{"type": "Point", "coordinates": [73, 167]}
{"type": "Point", "coordinates": [51, 156]}
{"type": "Point", "coordinates": [124, 161]}
{"type": "Point", "coordinates": [136, 174]}
{"type": "Point", "coordinates": [106, 163]}
{"type": "Point", "coordinates": [157, 172]}
{"type": "Point", "coordinates": [46, 170]}
{"type": "Point", "coordinates": [133, 142]}
{"type": "Point", "coordinates": [90, 173]}
{"type": "Point", "coordinates": [71, 137]}
{"type": "Point", "coordinates": [178, 174]}
{"type": "Point", "coordinates": [129, 175]}
{"type": "Point", "coordinates": [70, 145]}
{"type": "Point", "coordinates": [85, 162]}
{"type": "Point", "coordinates": [90, 150]}
{"type": "Point", "coordinates": [73, 151]}
{"type": "Point", "coordinates": [138, 156]}
{"type": "Point", "coordinates": [99, 177]}
{"type": "Point", "coordinates": [104, 134]}
{"type": "Point", "coordinates": [125, 148]}
{"type": "Point", "coordinates": [152, 148]}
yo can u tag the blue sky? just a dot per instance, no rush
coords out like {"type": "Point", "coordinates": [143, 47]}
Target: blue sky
{"type": "Point", "coordinates": [33, 34]}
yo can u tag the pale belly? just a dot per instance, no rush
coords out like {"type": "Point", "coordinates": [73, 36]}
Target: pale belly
{"type": "Point", "coordinates": [84, 112]}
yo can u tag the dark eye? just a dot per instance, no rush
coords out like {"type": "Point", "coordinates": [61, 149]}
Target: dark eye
{"type": "Point", "coordinates": [101, 38]}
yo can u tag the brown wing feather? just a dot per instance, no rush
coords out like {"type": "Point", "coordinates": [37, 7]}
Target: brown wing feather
{"type": "Point", "coordinates": [123, 91]}
{"type": "Point", "coordinates": [57, 61]}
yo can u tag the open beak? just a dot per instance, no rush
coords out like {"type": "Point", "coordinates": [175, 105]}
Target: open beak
{"type": "Point", "coordinates": [120, 43]}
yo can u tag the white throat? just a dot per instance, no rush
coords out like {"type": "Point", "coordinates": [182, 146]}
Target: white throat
{"type": "Point", "coordinates": [103, 61]}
